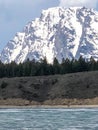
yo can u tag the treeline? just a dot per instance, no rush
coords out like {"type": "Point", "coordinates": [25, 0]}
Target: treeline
{"type": "Point", "coordinates": [32, 68]}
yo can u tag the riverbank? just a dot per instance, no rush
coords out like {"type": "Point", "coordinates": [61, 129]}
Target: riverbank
{"type": "Point", "coordinates": [51, 107]}
{"type": "Point", "coordinates": [65, 103]}
{"type": "Point", "coordinates": [64, 90]}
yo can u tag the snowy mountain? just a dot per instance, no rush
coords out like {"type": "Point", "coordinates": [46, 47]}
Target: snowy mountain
{"type": "Point", "coordinates": [59, 32]}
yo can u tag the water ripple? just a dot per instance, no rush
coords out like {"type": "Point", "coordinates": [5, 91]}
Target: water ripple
{"type": "Point", "coordinates": [49, 119]}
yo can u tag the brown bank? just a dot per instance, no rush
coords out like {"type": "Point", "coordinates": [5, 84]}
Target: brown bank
{"type": "Point", "coordinates": [66, 90]}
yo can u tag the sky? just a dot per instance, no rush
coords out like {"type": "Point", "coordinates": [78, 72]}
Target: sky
{"type": "Point", "coordinates": [15, 14]}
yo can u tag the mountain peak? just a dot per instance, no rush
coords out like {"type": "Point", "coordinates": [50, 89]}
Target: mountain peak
{"type": "Point", "coordinates": [59, 32]}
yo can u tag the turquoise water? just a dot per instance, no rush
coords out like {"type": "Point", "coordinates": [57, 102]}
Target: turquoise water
{"type": "Point", "coordinates": [49, 119]}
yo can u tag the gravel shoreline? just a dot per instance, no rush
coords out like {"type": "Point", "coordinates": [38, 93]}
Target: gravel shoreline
{"type": "Point", "coordinates": [48, 106]}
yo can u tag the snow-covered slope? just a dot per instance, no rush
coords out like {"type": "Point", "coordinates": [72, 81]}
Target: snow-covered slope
{"type": "Point", "coordinates": [59, 32]}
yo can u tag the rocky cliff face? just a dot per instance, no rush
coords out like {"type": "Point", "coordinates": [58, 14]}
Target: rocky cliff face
{"type": "Point", "coordinates": [59, 32]}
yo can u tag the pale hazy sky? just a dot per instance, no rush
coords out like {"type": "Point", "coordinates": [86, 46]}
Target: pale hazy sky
{"type": "Point", "coordinates": [15, 14]}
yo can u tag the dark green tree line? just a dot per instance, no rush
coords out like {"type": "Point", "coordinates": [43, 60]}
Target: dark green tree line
{"type": "Point", "coordinates": [35, 68]}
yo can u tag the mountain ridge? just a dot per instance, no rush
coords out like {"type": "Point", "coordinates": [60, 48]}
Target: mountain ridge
{"type": "Point", "coordinates": [59, 32]}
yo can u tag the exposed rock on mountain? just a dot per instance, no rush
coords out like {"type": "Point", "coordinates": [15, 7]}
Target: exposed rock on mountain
{"type": "Point", "coordinates": [59, 32]}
